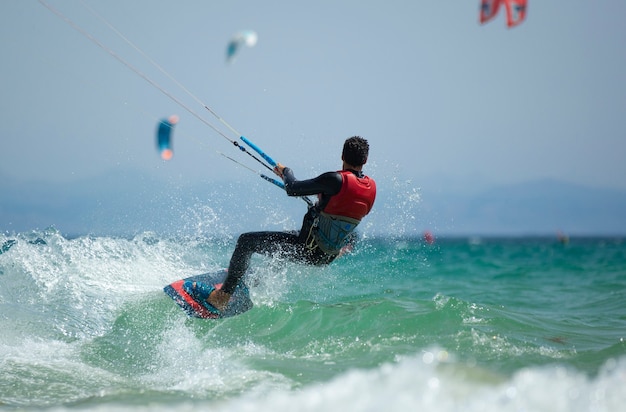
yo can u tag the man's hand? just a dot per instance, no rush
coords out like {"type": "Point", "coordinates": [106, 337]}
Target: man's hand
{"type": "Point", "coordinates": [279, 169]}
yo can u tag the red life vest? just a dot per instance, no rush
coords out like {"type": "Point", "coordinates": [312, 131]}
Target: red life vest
{"type": "Point", "coordinates": [356, 197]}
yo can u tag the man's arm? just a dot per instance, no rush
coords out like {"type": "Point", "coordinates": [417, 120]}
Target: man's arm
{"type": "Point", "coordinates": [328, 183]}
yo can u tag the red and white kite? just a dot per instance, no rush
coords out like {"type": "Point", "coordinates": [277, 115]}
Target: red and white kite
{"type": "Point", "coordinates": [515, 11]}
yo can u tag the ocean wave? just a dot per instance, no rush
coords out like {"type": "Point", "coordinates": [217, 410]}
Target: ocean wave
{"type": "Point", "coordinates": [86, 326]}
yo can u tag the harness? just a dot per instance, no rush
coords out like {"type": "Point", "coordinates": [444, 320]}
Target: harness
{"type": "Point", "coordinates": [331, 233]}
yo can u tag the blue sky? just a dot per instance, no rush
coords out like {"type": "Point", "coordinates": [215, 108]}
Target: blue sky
{"type": "Point", "coordinates": [440, 97]}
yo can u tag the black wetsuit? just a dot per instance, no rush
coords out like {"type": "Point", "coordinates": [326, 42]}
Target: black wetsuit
{"type": "Point", "coordinates": [288, 244]}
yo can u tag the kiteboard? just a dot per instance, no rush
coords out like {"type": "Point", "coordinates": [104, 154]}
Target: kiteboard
{"type": "Point", "coordinates": [239, 302]}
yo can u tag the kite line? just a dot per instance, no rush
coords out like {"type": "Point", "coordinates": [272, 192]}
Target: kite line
{"type": "Point", "coordinates": [94, 40]}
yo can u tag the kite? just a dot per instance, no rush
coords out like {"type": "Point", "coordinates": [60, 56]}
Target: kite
{"type": "Point", "coordinates": [515, 11]}
{"type": "Point", "coordinates": [164, 137]}
{"type": "Point", "coordinates": [247, 37]}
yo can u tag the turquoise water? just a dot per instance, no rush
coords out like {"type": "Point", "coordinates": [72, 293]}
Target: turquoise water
{"type": "Point", "coordinates": [462, 324]}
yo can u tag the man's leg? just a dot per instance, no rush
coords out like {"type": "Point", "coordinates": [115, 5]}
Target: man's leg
{"type": "Point", "coordinates": [266, 243]}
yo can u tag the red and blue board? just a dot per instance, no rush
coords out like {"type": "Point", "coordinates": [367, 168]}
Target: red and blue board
{"type": "Point", "coordinates": [239, 302]}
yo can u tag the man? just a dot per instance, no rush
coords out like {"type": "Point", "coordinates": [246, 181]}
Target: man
{"type": "Point", "coordinates": [344, 198]}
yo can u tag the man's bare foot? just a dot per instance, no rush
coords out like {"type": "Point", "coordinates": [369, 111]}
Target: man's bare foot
{"type": "Point", "coordinates": [218, 299]}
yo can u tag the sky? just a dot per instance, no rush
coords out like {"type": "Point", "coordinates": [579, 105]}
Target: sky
{"type": "Point", "coordinates": [440, 97]}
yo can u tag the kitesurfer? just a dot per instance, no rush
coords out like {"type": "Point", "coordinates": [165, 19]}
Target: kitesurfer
{"type": "Point", "coordinates": [344, 198]}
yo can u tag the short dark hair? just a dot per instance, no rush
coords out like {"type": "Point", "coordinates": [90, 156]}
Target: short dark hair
{"type": "Point", "coordinates": [355, 151]}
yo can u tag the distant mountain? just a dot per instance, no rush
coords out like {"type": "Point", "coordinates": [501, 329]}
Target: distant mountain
{"type": "Point", "coordinates": [535, 207]}
{"type": "Point", "coordinates": [127, 203]}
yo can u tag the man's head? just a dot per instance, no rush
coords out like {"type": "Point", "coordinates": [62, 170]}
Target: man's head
{"type": "Point", "coordinates": [355, 151]}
